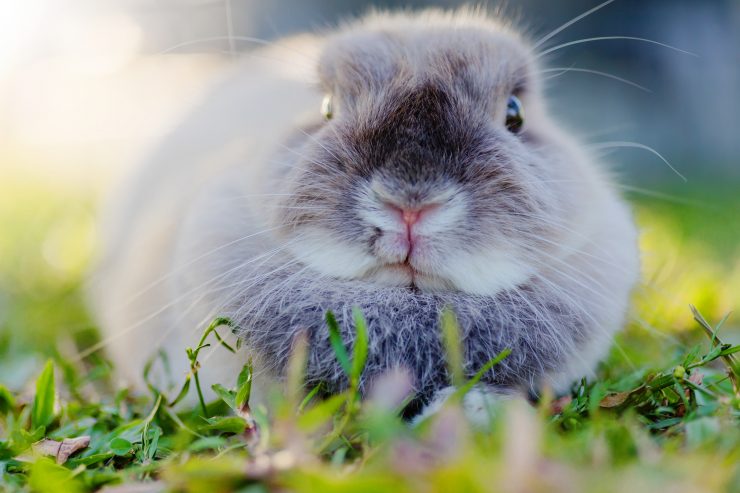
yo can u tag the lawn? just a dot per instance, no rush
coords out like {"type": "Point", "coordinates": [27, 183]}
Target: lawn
{"type": "Point", "coordinates": [664, 414]}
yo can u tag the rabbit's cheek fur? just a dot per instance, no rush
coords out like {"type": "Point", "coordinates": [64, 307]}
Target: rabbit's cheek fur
{"type": "Point", "coordinates": [329, 255]}
{"type": "Point", "coordinates": [487, 273]}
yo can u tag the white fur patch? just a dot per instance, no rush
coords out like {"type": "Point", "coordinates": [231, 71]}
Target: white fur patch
{"type": "Point", "coordinates": [487, 272]}
{"type": "Point", "coordinates": [320, 250]}
{"type": "Point", "coordinates": [479, 405]}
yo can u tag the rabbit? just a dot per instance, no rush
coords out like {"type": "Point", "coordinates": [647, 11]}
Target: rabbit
{"type": "Point", "coordinates": [404, 163]}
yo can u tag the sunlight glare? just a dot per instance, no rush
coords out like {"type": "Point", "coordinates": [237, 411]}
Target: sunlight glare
{"type": "Point", "coordinates": [19, 22]}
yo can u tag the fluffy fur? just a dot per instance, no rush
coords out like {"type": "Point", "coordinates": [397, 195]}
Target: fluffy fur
{"type": "Point", "coordinates": [259, 210]}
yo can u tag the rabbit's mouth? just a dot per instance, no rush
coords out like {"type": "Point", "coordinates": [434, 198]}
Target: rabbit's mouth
{"type": "Point", "coordinates": [403, 274]}
{"type": "Point", "coordinates": [404, 268]}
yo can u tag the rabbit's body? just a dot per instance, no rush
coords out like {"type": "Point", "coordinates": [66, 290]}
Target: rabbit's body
{"type": "Point", "coordinates": [413, 197]}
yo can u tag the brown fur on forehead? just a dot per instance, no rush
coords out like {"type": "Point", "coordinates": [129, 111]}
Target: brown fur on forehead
{"type": "Point", "coordinates": [470, 52]}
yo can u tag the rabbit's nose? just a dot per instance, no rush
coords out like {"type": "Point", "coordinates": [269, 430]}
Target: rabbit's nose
{"type": "Point", "coordinates": [411, 215]}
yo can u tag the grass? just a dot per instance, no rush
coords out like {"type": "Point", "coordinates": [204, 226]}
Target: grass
{"type": "Point", "coordinates": [663, 415]}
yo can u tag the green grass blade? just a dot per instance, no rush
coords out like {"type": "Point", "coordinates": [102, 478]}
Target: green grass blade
{"type": "Point", "coordinates": [7, 401]}
{"type": "Point", "coordinates": [223, 342]}
{"type": "Point", "coordinates": [148, 421]}
{"type": "Point", "coordinates": [453, 348]}
{"type": "Point", "coordinates": [359, 356]}
{"type": "Point", "coordinates": [183, 392]}
{"type": "Point", "coordinates": [42, 413]}
{"type": "Point", "coordinates": [336, 343]}
{"type": "Point", "coordinates": [321, 413]}
{"type": "Point", "coordinates": [464, 389]}
{"type": "Point", "coordinates": [309, 397]}
{"type": "Point", "coordinates": [225, 394]}
{"type": "Point", "coordinates": [296, 371]}
{"type": "Point", "coordinates": [730, 350]}
{"type": "Point", "coordinates": [244, 386]}
{"type": "Point", "coordinates": [224, 424]}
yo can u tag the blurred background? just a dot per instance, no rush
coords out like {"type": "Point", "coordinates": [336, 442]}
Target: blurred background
{"type": "Point", "coordinates": [84, 82]}
{"type": "Point", "coordinates": [86, 86]}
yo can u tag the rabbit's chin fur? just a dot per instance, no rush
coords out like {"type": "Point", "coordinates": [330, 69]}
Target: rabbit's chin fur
{"type": "Point", "coordinates": [256, 209]}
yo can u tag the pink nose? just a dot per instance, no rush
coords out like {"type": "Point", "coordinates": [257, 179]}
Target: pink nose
{"type": "Point", "coordinates": [410, 216]}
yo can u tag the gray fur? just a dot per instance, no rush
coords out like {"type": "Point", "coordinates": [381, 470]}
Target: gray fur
{"type": "Point", "coordinates": [542, 330]}
{"type": "Point", "coordinates": [537, 252]}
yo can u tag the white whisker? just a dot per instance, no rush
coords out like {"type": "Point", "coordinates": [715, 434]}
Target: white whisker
{"type": "Point", "coordinates": [230, 28]}
{"type": "Point", "coordinates": [637, 145]}
{"type": "Point", "coordinates": [611, 38]}
{"type": "Point", "coordinates": [565, 26]}
{"type": "Point", "coordinates": [192, 261]}
{"type": "Point", "coordinates": [564, 70]}
{"type": "Point", "coordinates": [244, 39]}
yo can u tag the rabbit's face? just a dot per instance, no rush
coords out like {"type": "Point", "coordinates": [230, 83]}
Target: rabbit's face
{"type": "Point", "coordinates": [433, 167]}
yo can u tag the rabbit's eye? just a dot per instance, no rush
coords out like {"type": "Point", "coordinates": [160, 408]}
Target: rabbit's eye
{"type": "Point", "coordinates": [514, 115]}
{"type": "Point", "coordinates": [327, 107]}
